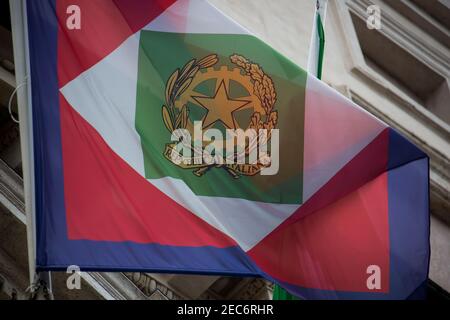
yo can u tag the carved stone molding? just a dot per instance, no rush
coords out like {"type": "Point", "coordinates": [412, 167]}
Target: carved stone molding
{"type": "Point", "coordinates": [153, 289]}
{"type": "Point", "coordinates": [257, 289]}
{"type": "Point", "coordinates": [248, 289]}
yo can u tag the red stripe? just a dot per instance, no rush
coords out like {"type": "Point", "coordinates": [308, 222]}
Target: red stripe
{"type": "Point", "coordinates": [105, 24]}
{"type": "Point", "coordinates": [330, 247]}
{"type": "Point", "coordinates": [107, 200]}
{"type": "Point", "coordinates": [367, 165]}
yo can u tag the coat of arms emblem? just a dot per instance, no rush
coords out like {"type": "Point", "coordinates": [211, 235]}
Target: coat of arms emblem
{"type": "Point", "coordinates": [257, 100]}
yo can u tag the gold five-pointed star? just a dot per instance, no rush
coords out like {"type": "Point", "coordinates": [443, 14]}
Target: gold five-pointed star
{"type": "Point", "coordinates": [220, 107]}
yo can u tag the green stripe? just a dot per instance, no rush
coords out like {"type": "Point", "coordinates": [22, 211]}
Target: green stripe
{"type": "Point", "coordinates": [321, 35]}
{"type": "Point", "coordinates": [280, 294]}
{"type": "Point", "coordinates": [161, 53]}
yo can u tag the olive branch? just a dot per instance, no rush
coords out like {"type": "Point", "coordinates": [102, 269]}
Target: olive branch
{"type": "Point", "coordinates": [264, 89]}
{"type": "Point", "coordinates": [176, 85]}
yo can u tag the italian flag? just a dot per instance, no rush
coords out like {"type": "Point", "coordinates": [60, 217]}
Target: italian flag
{"type": "Point", "coordinates": [137, 70]}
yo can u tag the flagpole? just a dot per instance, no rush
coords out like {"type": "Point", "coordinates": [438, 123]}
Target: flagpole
{"type": "Point", "coordinates": [316, 48]}
{"type": "Point", "coordinates": [315, 60]}
{"type": "Point", "coordinates": [19, 29]}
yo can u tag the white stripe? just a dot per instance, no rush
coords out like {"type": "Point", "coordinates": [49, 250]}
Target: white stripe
{"type": "Point", "coordinates": [336, 130]}
{"type": "Point", "coordinates": [105, 96]}
{"type": "Point", "coordinates": [247, 222]}
{"type": "Point", "coordinates": [194, 16]}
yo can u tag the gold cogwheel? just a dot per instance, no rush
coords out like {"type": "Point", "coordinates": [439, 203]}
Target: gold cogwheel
{"type": "Point", "coordinates": [221, 74]}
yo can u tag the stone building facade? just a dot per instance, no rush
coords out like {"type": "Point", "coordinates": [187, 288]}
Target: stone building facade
{"type": "Point", "coordinates": [400, 73]}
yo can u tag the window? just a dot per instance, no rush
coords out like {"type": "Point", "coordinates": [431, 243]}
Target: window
{"type": "Point", "coordinates": [407, 72]}
{"type": "Point", "coordinates": [433, 17]}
